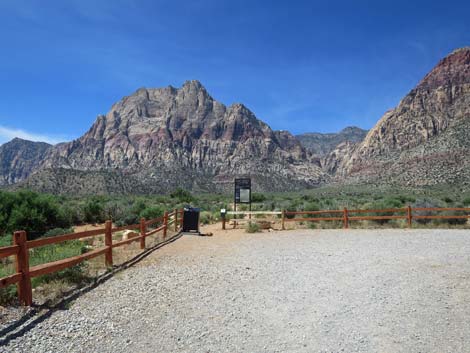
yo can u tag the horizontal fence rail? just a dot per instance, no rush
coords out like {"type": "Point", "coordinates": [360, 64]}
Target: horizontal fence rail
{"type": "Point", "coordinates": [346, 215]}
{"type": "Point", "coordinates": [21, 246]}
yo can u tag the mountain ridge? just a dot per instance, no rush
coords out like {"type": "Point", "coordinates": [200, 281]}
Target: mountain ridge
{"type": "Point", "coordinates": [157, 139]}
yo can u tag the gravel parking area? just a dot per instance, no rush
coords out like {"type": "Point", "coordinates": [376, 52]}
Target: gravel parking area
{"type": "Point", "coordinates": [290, 291]}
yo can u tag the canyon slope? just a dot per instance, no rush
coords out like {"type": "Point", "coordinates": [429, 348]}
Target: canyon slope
{"type": "Point", "coordinates": [19, 158]}
{"type": "Point", "coordinates": [322, 144]}
{"type": "Point", "coordinates": [424, 141]}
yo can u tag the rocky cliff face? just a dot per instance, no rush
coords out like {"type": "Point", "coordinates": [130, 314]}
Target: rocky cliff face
{"type": "Point", "coordinates": [414, 134]}
{"type": "Point", "coordinates": [322, 144]}
{"type": "Point", "coordinates": [18, 158]}
{"type": "Point", "coordinates": [168, 137]}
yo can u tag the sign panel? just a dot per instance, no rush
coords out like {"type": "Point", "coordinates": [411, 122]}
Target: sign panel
{"type": "Point", "coordinates": [243, 190]}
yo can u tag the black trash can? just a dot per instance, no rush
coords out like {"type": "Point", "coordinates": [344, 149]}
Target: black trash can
{"type": "Point", "coordinates": [191, 220]}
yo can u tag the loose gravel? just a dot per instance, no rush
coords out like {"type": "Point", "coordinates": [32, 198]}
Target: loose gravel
{"type": "Point", "coordinates": [291, 291]}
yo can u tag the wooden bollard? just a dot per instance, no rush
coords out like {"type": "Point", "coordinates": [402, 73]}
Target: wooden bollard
{"type": "Point", "coordinates": [108, 242]}
{"type": "Point", "coordinates": [409, 216]}
{"type": "Point", "coordinates": [25, 292]}
{"type": "Point", "coordinates": [283, 221]}
{"type": "Point", "coordinates": [143, 230]}
{"type": "Point", "coordinates": [346, 219]}
{"type": "Point", "coordinates": [165, 224]}
{"type": "Point", "coordinates": [176, 219]}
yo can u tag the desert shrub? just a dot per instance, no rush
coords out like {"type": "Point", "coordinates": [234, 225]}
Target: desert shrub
{"type": "Point", "coordinates": [309, 198]}
{"type": "Point", "coordinates": [152, 212]}
{"type": "Point", "coordinates": [385, 203]}
{"type": "Point", "coordinates": [466, 201]}
{"type": "Point", "coordinates": [58, 231]}
{"type": "Point", "coordinates": [257, 197]}
{"type": "Point", "coordinates": [453, 221]}
{"type": "Point", "coordinates": [206, 217]}
{"type": "Point", "coordinates": [447, 199]}
{"type": "Point", "coordinates": [293, 206]}
{"type": "Point", "coordinates": [93, 211]}
{"type": "Point", "coordinates": [425, 203]}
{"type": "Point", "coordinates": [7, 295]}
{"type": "Point", "coordinates": [252, 227]}
{"type": "Point", "coordinates": [182, 195]}
{"type": "Point", "coordinates": [32, 212]}
{"type": "Point", "coordinates": [405, 199]}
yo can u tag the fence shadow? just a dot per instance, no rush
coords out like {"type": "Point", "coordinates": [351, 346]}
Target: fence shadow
{"type": "Point", "coordinates": [40, 313]}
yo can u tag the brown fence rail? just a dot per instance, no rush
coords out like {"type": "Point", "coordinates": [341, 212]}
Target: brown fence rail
{"type": "Point", "coordinates": [394, 213]}
{"type": "Point", "coordinates": [21, 246]}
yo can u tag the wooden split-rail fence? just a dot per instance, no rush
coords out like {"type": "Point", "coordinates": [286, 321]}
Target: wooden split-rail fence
{"type": "Point", "coordinates": [21, 246]}
{"type": "Point", "coordinates": [346, 215]}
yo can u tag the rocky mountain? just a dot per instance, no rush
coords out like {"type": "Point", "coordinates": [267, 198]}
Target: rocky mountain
{"type": "Point", "coordinates": [322, 144]}
{"type": "Point", "coordinates": [19, 158]}
{"type": "Point", "coordinates": [424, 140]}
{"type": "Point", "coordinates": [159, 139]}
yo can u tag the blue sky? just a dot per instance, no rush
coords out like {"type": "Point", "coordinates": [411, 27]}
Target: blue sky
{"type": "Point", "coordinates": [298, 65]}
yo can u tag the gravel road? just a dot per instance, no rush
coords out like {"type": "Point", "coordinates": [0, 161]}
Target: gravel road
{"type": "Point", "coordinates": [292, 291]}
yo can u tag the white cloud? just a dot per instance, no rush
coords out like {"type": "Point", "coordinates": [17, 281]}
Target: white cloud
{"type": "Point", "coordinates": [7, 134]}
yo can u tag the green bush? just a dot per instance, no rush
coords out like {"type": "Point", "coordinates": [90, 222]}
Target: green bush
{"type": "Point", "coordinates": [93, 211]}
{"type": "Point", "coordinates": [206, 217]}
{"type": "Point", "coordinates": [454, 221]}
{"type": "Point", "coordinates": [182, 195]}
{"type": "Point", "coordinates": [447, 200]}
{"type": "Point", "coordinates": [466, 201]}
{"type": "Point", "coordinates": [388, 202]}
{"type": "Point", "coordinates": [425, 203]}
{"type": "Point", "coordinates": [32, 212]}
{"type": "Point", "coordinates": [252, 227]}
{"type": "Point", "coordinates": [58, 231]}
{"type": "Point", "coordinates": [152, 212]}
{"type": "Point", "coordinates": [257, 197]}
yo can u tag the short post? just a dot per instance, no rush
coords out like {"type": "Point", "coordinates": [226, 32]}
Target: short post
{"type": "Point", "coordinates": [346, 219]}
{"type": "Point", "coordinates": [181, 218]}
{"type": "Point", "coordinates": [165, 224]}
{"type": "Point", "coordinates": [143, 230]}
{"type": "Point", "coordinates": [176, 220]}
{"type": "Point", "coordinates": [410, 216]}
{"type": "Point", "coordinates": [108, 242]}
{"type": "Point", "coordinates": [283, 221]}
{"type": "Point", "coordinates": [223, 214]}
{"type": "Point", "coordinates": [25, 292]}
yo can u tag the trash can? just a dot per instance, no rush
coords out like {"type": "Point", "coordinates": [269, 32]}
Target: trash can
{"type": "Point", "coordinates": [191, 220]}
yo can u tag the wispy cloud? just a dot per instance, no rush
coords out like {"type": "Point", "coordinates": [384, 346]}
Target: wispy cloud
{"type": "Point", "coordinates": [7, 133]}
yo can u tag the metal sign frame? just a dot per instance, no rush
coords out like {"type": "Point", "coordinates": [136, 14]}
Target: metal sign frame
{"type": "Point", "coordinates": [242, 191]}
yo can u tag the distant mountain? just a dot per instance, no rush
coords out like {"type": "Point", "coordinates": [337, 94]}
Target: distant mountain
{"type": "Point", "coordinates": [18, 158]}
{"type": "Point", "coordinates": [321, 144]}
{"type": "Point", "coordinates": [425, 140]}
{"type": "Point", "coordinates": [158, 139]}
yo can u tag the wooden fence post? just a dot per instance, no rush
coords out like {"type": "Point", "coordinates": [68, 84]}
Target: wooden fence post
{"type": "Point", "coordinates": [346, 219]}
{"type": "Point", "coordinates": [143, 230]}
{"type": "Point", "coordinates": [165, 223]}
{"type": "Point", "coordinates": [176, 220]}
{"type": "Point", "coordinates": [182, 218]}
{"type": "Point", "coordinates": [223, 222]}
{"type": "Point", "coordinates": [108, 242]}
{"type": "Point", "coordinates": [283, 219]}
{"type": "Point", "coordinates": [410, 216]}
{"type": "Point", "coordinates": [25, 292]}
